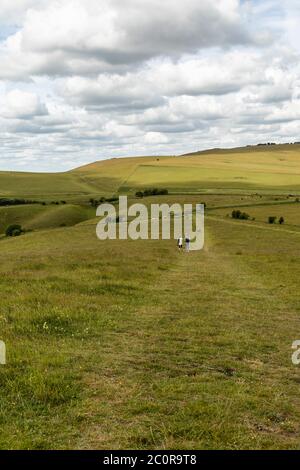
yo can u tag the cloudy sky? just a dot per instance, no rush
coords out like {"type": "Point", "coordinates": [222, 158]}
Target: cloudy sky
{"type": "Point", "coordinates": [84, 80]}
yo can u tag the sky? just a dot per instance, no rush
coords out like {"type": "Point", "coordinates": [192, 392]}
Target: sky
{"type": "Point", "coordinates": [85, 80]}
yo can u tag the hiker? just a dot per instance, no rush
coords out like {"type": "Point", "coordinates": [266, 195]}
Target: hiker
{"type": "Point", "coordinates": [179, 243]}
{"type": "Point", "coordinates": [187, 244]}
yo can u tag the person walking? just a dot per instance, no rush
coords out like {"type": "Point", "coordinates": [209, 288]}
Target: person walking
{"type": "Point", "coordinates": [187, 243]}
{"type": "Point", "coordinates": [179, 243]}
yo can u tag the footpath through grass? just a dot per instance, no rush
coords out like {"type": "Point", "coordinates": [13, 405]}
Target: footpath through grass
{"type": "Point", "coordinates": [134, 345]}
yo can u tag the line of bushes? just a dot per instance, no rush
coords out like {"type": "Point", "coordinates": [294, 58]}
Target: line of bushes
{"type": "Point", "coordinates": [21, 202]}
{"type": "Point", "coordinates": [95, 202]}
{"type": "Point", "coordinates": [237, 214]}
{"type": "Point", "coordinates": [152, 192]}
{"type": "Point", "coordinates": [272, 219]}
{"type": "Point", "coordinates": [17, 202]}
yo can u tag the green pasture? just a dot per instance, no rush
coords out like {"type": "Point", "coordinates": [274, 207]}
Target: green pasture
{"type": "Point", "coordinates": [289, 211]}
{"type": "Point", "coordinates": [269, 170]}
{"type": "Point", "coordinates": [127, 344]}
{"type": "Point", "coordinates": [37, 216]}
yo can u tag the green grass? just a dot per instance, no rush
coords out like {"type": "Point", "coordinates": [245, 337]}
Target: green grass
{"type": "Point", "coordinates": [36, 216]}
{"type": "Point", "coordinates": [289, 211]}
{"type": "Point", "coordinates": [42, 185]}
{"type": "Point", "coordinates": [131, 344]}
{"type": "Point", "coordinates": [267, 169]}
{"type": "Point", "coordinates": [123, 344]}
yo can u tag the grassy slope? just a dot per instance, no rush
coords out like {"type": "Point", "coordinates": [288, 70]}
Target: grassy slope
{"type": "Point", "coordinates": [248, 169]}
{"type": "Point", "coordinates": [289, 211]}
{"type": "Point", "coordinates": [260, 168]}
{"type": "Point", "coordinates": [134, 345]}
{"type": "Point", "coordinates": [42, 185]}
{"type": "Point", "coordinates": [36, 216]}
{"type": "Point", "coordinates": [96, 179]}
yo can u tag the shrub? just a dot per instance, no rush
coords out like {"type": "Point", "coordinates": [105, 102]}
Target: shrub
{"type": "Point", "coordinates": [13, 230]}
{"type": "Point", "coordinates": [244, 216]}
{"type": "Point", "coordinates": [95, 202]}
{"type": "Point", "coordinates": [237, 214]}
{"type": "Point", "coordinates": [164, 192]}
{"type": "Point", "coordinates": [111, 199]}
{"type": "Point", "coordinates": [17, 202]}
{"type": "Point", "coordinates": [152, 192]}
{"type": "Point", "coordinates": [16, 232]}
{"type": "Point", "coordinates": [272, 219]}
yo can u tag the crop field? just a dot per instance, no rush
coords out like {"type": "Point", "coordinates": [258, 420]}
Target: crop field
{"type": "Point", "coordinates": [126, 344]}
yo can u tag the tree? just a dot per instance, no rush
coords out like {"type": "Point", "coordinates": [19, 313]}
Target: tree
{"type": "Point", "coordinates": [13, 230]}
{"type": "Point", "coordinates": [237, 214]}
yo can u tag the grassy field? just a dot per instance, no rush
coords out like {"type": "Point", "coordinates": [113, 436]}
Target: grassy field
{"type": "Point", "coordinates": [270, 170]}
{"type": "Point", "coordinates": [36, 216]}
{"type": "Point", "coordinates": [289, 211]}
{"type": "Point", "coordinates": [132, 344]}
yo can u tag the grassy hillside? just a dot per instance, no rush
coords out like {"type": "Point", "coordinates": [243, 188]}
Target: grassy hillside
{"type": "Point", "coordinates": [42, 185]}
{"type": "Point", "coordinates": [289, 211]}
{"type": "Point", "coordinates": [133, 344]}
{"type": "Point", "coordinates": [268, 169]}
{"type": "Point", "coordinates": [123, 344]}
{"type": "Point", "coordinates": [35, 216]}
{"type": "Point", "coordinates": [265, 169]}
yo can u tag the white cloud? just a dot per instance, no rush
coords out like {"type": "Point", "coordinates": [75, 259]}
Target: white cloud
{"type": "Point", "coordinates": [154, 138]}
{"type": "Point", "coordinates": [13, 11]}
{"type": "Point", "coordinates": [19, 104]}
{"type": "Point", "coordinates": [75, 37]}
{"type": "Point", "coordinates": [81, 80]}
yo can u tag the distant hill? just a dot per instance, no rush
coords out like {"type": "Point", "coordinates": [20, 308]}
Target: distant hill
{"type": "Point", "coordinates": [255, 168]}
{"type": "Point", "coordinates": [249, 148]}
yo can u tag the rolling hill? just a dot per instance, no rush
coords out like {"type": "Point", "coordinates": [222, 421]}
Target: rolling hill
{"type": "Point", "coordinates": [264, 169]}
{"type": "Point", "coordinates": [188, 350]}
